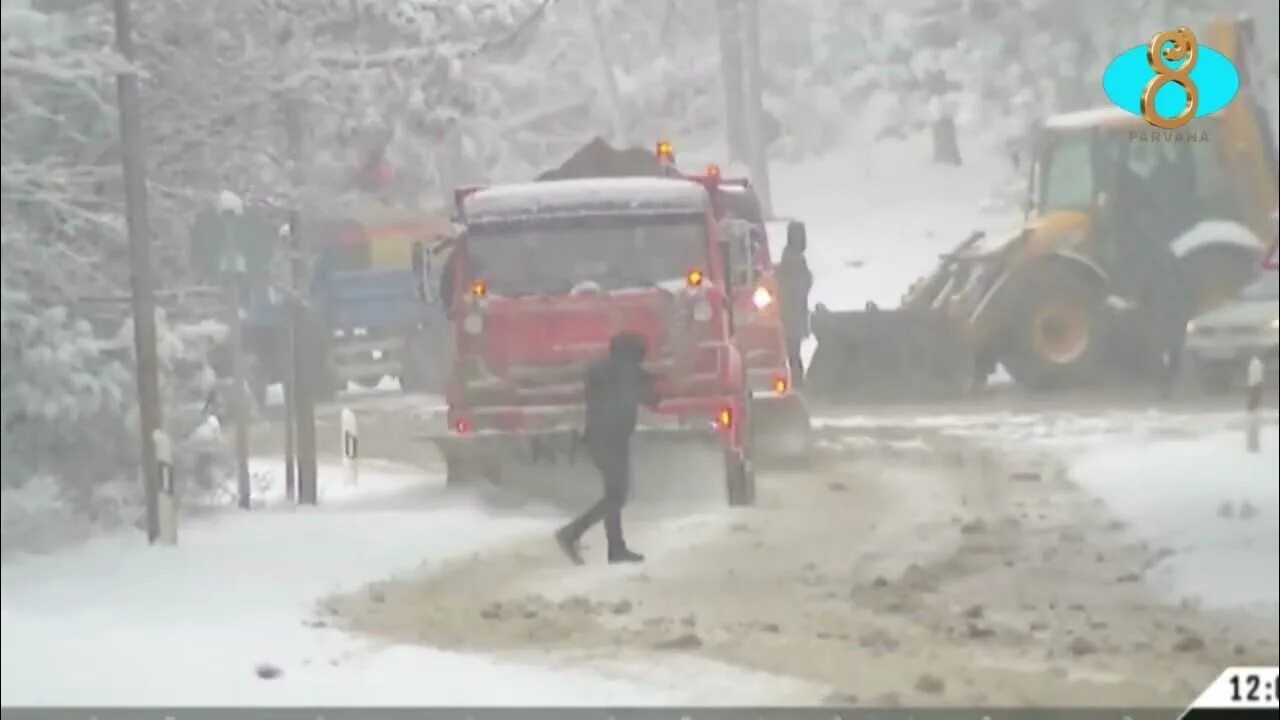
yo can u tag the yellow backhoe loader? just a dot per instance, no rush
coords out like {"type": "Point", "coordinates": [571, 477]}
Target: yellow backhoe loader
{"type": "Point", "coordinates": [1053, 301]}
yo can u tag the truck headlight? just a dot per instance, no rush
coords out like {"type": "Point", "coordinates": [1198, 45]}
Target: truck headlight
{"type": "Point", "coordinates": [1191, 328]}
{"type": "Point", "coordinates": [1275, 324]}
{"type": "Point", "coordinates": [360, 332]}
{"type": "Point", "coordinates": [762, 298]}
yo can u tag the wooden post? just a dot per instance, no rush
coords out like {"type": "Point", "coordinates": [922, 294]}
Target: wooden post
{"type": "Point", "coordinates": [753, 105]}
{"type": "Point", "coordinates": [731, 71]}
{"type": "Point", "coordinates": [167, 497]}
{"type": "Point", "coordinates": [350, 447]}
{"type": "Point", "coordinates": [304, 343]}
{"type": "Point", "coordinates": [1255, 379]}
{"type": "Point", "coordinates": [235, 268]}
{"type": "Point", "coordinates": [144, 310]}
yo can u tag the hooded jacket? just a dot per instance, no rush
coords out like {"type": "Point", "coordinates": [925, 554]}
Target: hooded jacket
{"type": "Point", "coordinates": [616, 387]}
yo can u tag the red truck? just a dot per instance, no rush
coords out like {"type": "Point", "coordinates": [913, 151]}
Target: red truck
{"type": "Point", "coordinates": [545, 274]}
{"type": "Point", "coordinates": [781, 419]}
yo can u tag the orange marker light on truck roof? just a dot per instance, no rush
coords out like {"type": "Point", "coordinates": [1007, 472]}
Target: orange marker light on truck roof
{"type": "Point", "coordinates": [713, 171]}
{"type": "Point", "coordinates": [780, 385]}
{"type": "Point", "coordinates": [479, 288]}
{"type": "Point", "coordinates": [694, 278]}
{"type": "Point", "coordinates": [724, 418]}
{"type": "Point", "coordinates": [666, 152]}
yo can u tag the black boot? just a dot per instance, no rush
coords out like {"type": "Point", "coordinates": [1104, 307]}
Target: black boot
{"type": "Point", "coordinates": [568, 542]}
{"type": "Point", "coordinates": [624, 556]}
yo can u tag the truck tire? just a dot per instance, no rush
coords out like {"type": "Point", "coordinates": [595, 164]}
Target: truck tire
{"type": "Point", "coordinates": [740, 474]}
{"type": "Point", "coordinates": [1056, 338]}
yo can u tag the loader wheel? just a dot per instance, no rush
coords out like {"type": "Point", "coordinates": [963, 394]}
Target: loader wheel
{"type": "Point", "coordinates": [1056, 339]}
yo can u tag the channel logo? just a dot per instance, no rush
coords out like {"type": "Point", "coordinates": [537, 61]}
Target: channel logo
{"type": "Point", "coordinates": [1171, 80]}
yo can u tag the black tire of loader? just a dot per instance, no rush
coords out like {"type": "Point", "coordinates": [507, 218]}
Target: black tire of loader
{"type": "Point", "coordinates": [739, 471]}
{"type": "Point", "coordinates": [1025, 364]}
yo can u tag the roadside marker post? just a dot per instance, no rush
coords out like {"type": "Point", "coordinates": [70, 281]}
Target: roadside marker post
{"type": "Point", "coordinates": [1255, 378]}
{"type": "Point", "coordinates": [350, 447]}
{"type": "Point", "coordinates": [167, 500]}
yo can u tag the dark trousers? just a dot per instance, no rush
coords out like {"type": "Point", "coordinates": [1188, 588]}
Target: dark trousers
{"type": "Point", "coordinates": [613, 460]}
{"type": "Point", "coordinates": [795, 361]}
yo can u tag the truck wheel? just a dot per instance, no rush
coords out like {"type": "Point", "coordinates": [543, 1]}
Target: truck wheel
{"type": "Point", "coordinates": [740, 474]}
{"type": "Point", "coordinates": [1056, 337]}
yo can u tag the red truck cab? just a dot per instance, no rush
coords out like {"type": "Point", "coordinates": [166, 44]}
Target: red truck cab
{"type": "Point", "coordinates": [547, 272]}
{"type": "Point", "coordinates": [781, 419]}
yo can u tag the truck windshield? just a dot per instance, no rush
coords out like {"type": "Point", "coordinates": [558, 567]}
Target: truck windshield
{"type": "Point", "coordinates": [555, 255]}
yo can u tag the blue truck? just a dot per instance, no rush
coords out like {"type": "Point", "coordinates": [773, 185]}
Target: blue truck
{"type": "Point", "coordinates": [372, 315]}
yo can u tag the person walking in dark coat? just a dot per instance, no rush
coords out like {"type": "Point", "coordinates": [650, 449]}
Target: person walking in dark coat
{"type": "Point", "coordinates": [616, 387]}
{"type": "Point", "coordinates": [794, 283]}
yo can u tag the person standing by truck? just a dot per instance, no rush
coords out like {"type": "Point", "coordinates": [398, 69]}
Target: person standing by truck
{"type": "Point", "coordinates": [794, 283]}
{"type": "Point", "coordinates": [616, 387]}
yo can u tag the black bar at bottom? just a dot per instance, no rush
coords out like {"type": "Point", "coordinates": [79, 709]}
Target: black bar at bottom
{"type": "Point", "coordinates": [1240, 713]}
{"type": "Point", "coordinates": [582, 713]}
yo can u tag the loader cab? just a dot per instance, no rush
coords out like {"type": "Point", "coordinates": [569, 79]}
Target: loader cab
{"type": "Point", "coordinates": [1114, 189]}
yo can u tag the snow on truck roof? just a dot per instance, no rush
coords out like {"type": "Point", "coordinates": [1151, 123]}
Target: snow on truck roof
{"type": "Point", "coordinates": [586, 197]}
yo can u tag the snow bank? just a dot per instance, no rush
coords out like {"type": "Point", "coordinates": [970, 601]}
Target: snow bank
{"type": "Point", "coordinates": [1214, 504]}
{"type": "Point", "coordinates": [115, 622]}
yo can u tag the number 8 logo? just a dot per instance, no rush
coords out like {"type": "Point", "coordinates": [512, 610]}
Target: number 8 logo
{"type": "Point", "coordinates": [1182, 46]}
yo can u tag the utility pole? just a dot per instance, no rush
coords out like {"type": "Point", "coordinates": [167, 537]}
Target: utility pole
{"type": "Point", "coordinates": [290, 456]}
{"type": "Point", "coordinates": [303, 338]}
{"type": "Point", "coordinates": [144, 310]}
{"type": "Point", "coordinates": [729, 18]}
{"type": "Point", "coordinates": [757, 146]}
{"type": "Point", "coordinates": [235, 268]}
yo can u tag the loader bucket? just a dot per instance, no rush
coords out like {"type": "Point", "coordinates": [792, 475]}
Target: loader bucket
{"type": "Point", "coordinates": [888, 355]}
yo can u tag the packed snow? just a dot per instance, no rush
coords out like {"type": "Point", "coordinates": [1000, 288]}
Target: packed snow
{"type": "Point", "coordinates": [1211, 503]}
{"type": "Point", "coordinates": [1185, 482]}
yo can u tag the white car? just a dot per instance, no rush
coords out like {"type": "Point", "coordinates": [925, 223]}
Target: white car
{"type": "Point", "coordinates": [1221, 342]}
